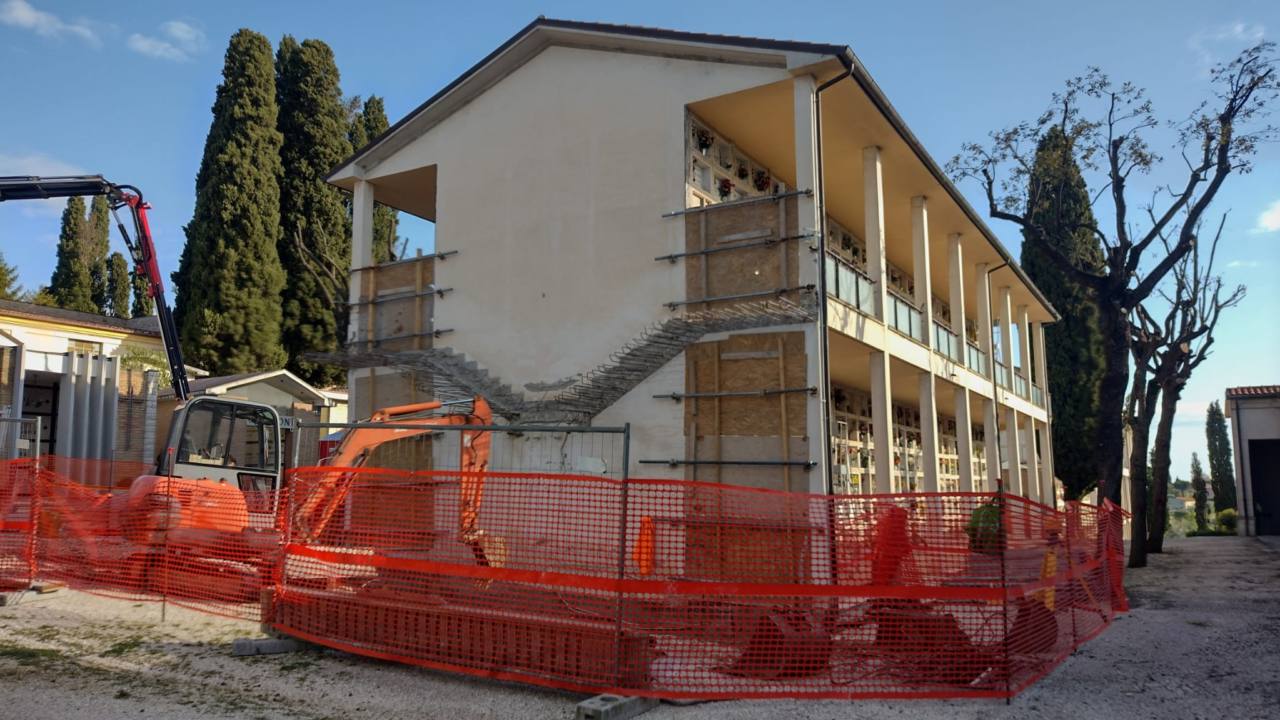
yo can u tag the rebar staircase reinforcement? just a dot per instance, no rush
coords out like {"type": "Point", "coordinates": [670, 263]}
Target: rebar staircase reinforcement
{"type": "Point", "coordinates": [448, 374]}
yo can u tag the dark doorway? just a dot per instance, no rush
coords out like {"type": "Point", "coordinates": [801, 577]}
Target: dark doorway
{"type": "Point", "coordinates": [1264, 481]}
{"type": "Point", "coordinates": [40, 400]}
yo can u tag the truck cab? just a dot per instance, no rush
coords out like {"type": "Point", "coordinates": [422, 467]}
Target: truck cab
{"type": "Point", "coordinates": [230, 441]}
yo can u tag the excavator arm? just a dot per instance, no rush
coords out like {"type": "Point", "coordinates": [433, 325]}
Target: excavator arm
{"type": "Point", "coordinates": [322, 499]}
{"type": "Point", "coordinates": [141, 248]}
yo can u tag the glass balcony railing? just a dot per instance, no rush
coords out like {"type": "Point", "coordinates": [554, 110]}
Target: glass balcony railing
{"type": "Point", "coordinates": [1002, 376]}
{"type": "Point", "coordinates": [905, 318]}
{"type": "Point", "coordinates": [977, 359]}
{"type": "Point", "coordinates": [849, 285]}
{"type": "Point", "coordinates": [1020, 385]}
{"type": "Point", "coordinates": [947, 342]}
{"type": "Point", "coordinates": [1037, 395]}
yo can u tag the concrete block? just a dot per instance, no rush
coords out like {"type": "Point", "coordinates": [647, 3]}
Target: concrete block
{"type": "Point", "coordinates": [614, 707]}
{"type": "Point", "coordinates": [265, 646]}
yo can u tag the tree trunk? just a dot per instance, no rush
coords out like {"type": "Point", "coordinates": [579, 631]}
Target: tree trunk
{"type": "Point", "coordinates": [1144, 412]}
{"type": "Point", "coordinates": [1159, 513]}
{"type": "Point", "coordinates": [1112, 390]}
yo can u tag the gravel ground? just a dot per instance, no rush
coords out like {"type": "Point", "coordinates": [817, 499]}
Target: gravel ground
{"type": "Point", "coordinates": [1202, 641]}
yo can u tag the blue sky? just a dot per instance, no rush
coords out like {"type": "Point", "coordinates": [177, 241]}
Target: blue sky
{"type": "Point", "coordinates": [125, 89]}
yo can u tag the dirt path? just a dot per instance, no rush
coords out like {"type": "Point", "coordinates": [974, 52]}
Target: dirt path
{"type": "Point", "coordinates": [1202, 641]}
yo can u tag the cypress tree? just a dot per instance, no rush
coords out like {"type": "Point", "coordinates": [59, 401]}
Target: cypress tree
{"type": "Point", "coordinates": [1202, 497]}
{"type": "Point", "coordinates": [1073, 345]}
{"type": "Point", "coordinates": [97, 244]}
{"type": "Point", "coordinates": [367, 124]}
{"type": "Point", "coordinates": [229, 277]}
{"type": "Point", "coordinates": [71, 286]}
{"type": "Point", "coordinates": [118, 285]}
{"type": "Point", "coordinates": [314, 244]}
{"type": "Point", "coordinates": [143, 305]}
{"type": "Point", "coordinates": [1222, 475]}
{"type": "Point", "coordinates": [9, 287]}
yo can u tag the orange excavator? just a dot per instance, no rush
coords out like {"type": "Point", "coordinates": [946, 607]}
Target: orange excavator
{"type": "Point", "coordinates": [224, 457]}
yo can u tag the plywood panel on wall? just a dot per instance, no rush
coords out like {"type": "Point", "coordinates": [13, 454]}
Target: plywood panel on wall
{"type": "Point", "coordinates": [757, 268]}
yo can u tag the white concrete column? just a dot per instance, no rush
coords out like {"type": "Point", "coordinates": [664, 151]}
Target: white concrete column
{"type": "Point", "coordinates": [1033, 489]}
{"type": "Point", "coordinates": [1041, 363]}
{"type": "Point", "coordinates": [991, 439]}
{"type": "Point", "coordinates": [964, 438]}
{"type": "Point", "coordinates": [809, 221]}
{"type": "Point", "coordinates": [983, 292]}
{"type": "Point", "coordinates": [1048, 488]}
{"type": "Point", "coordinates": [920, 263]}
{"type": "Point", "coordinates": [1013, 452]}
{"type": "Point", "coordinates": [361, 232]}
{"type": "Point", "coordinates": [873, 229]}
{"type": "Point", "coordinates": [929, 431]}
{"type": "Point", "coordinates": [881, 421]}
{"type": "Point", "coordinates": [1005, 309]}
{"type": "Point", "coordinates": [1024, 344]}
{"type": "Point", "coordinates": [361, 257]}
{"type": "Point", "coordinates": [955, 266]}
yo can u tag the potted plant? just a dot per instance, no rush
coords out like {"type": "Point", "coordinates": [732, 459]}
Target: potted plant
{"type": "Point", "coordinates": [724, 186]}
{"type": "Point", "coordinates": [986, 528]}
{"type": "Point", "coordinates": [703, 139]}
{"type": "Point", "coordinates": [760, 180]}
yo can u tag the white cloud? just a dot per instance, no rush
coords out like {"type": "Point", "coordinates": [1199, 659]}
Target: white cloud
{"type": "Point", "coordinates": [1244, 264]}
{"type": "Point", "coordinates": [34, 163]}
{"type": "Point", "coordinates": [1269, 219]}
{"type": "Point", "coordinates": [1213, 45]}
{"type": "Point", "coordinates": [21, 14]}
{"type": "Point", "coordinates": [178, 41]}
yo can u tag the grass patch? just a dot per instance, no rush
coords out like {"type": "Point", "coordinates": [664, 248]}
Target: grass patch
{"type": "Point", "coordinates": [127, 645]}
{"type": "Point", "coordinates": [28, 656]}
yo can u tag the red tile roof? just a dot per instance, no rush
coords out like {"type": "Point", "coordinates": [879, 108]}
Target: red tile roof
{"type": "Point", "coordinates": [1254, 391]}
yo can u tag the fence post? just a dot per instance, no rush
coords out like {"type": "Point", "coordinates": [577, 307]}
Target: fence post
{"type": "Point", "coordinates": [1006, 521]}
{"type": "Point", "coordinates": [32, 509]}
{"type": "Point", "coordinates": [622, 550]}
{"type": "Point", "coordinates": [1071, 573]}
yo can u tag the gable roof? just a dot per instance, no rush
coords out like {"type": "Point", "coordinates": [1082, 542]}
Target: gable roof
{"type": "Point", "coordinates": [149, 325]}
{"type": "Point", "coordinates": [543, 32]}
{"type": "Point", "coordinates": [281, 379]}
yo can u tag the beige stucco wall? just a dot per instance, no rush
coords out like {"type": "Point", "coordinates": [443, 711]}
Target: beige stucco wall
{"type": "Point", "coordinates": [552, 185]}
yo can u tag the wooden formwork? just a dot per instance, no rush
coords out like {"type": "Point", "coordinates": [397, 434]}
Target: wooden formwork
{"type": "Point", "coordinates": [395, 311]}
{"type": "Point", "coordinates": [745, 249]}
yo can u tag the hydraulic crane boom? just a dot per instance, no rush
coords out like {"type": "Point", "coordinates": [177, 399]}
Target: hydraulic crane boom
{"type": "Point", "coordinates": [141, 247]}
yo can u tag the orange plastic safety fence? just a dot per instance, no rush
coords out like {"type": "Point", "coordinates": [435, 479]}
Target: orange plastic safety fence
{"type": "Point", "coordinates": [649, 587]}
{"type": "Point", "coordinates": [16, 477]}
{"type": "Point", "coordinates": [683, 589]}
{"type": "Point", "coordinates": [197, 543]}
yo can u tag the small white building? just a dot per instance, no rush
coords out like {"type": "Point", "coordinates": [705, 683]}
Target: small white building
{"type": "Point", "coordinates": [83, 376]}
{"type": "Point", "coordinates": [1255, 438]}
